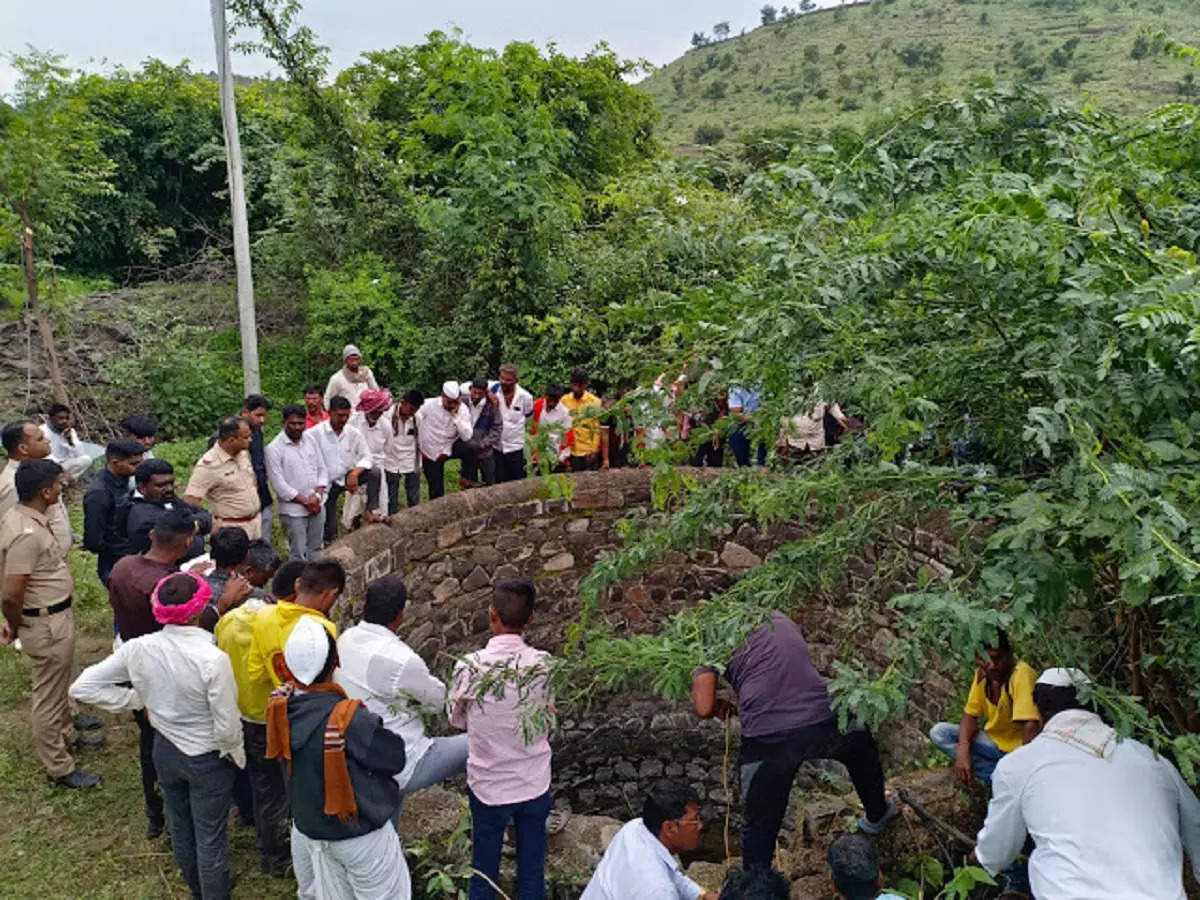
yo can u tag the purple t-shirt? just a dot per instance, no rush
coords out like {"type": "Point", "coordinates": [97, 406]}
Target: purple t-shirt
{"type": "Point", "coordinates": [778, 689]}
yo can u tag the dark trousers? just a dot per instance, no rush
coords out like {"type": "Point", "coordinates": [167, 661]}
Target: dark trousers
{"type": "Point", "coordinates": [154, 802]}
{"type": "Point", "coordinates": [739, 443]}
{"type": "Point", "coordinates": [435, 469]}
{"type": "Point", "coordinates": [710, 456]}
{"type": "Point", "coordinates": [487, 835]}
{"type": "Point", "coordinates": [412, 489]}
{"type": "Point", "coordinates": [483, 468]}
{"type": "Point", "coordinates": [268, 787]}
{"type": "Point", "coordinates": [767, 779]}
{"type": "Point", "coordinates": [197, 791]}
{"type": "Point", "coordinates": [510, 466]}
{"type": "Point", "coordinates": [588, 463]}
{"type": "Point", "coordinates": [331, 512]}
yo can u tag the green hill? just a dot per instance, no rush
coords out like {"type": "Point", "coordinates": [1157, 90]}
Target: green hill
{"type": "Point", "coordinates": [849, 65]}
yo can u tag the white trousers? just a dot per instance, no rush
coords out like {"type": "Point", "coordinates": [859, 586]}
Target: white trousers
{"type": "Point", "coordinates": [370, 867]}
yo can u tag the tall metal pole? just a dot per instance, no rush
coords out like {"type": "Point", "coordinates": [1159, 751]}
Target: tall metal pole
{"type": "Point", "coordinates": [237, 203]}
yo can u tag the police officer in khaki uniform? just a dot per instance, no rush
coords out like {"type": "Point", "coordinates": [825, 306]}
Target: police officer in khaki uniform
{"type": "Point", "coordinates": [225, 477]}
{"type": "Point", "coordinates": [37, 589]}
{"type": "Point", "coordinates": [26, 440]}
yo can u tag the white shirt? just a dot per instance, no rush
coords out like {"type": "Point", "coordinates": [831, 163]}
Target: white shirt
{"type": "Point", "coordinates": [295, 469]}
{"type": "Point", "coordinates": [342, 452]}
{"type": "Point", "coordinates": [555, 422]}
{"type": "Point", "coordinates": [377, 436]}
{"type": "Point", "coordinates": [438, 429]}
{"type": "Point", "coordinates": [636, 864]}
{"type": "Point", "coordinates": [402, 454]}
{"type": "Point", "coordinates": [182, 680]}
{"type": "Point", "coordinates": [513, 418]}
{"type": "Point", "coordinates": [393, 681]}
{"type": "Point", "coordinates": [341, 386]}
{"type": "Point", "coordinates": [1105, 828]}
{"type": "Point", "coordinates": [67, 451]}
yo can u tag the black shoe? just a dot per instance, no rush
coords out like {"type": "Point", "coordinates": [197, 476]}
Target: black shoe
{"type": "Point", "coordinates": [89, 742]}
{"type": "Point", "coordinates": [78, 779]}
{"type": "Point", "coordinates": [154, 828]}
{"type": "Point", "coordinates": [87, 723]}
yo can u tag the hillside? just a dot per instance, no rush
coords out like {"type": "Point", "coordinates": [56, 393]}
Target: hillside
{"type": "Point", "coordinates": [847, 66]}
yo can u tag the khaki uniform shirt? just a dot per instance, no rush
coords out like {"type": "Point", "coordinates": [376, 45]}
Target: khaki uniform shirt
{"type": "Point", "coordinates": [29, 547]}
{"type": "Point", "coordinates": [228, 484]}
{"type": "Point", "coordinates": [60, 522]}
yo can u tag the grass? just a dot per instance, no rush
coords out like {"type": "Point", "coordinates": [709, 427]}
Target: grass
{"type": "Point", "coordinates": [91, 844]}
{"type": "Point", "coordinates": [774, 76]}
{"type": "Point", "coordinates": [60, 843]}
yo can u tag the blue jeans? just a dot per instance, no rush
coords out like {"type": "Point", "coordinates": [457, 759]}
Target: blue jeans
{"type": "Point", "coordinates": [984, 752]}
{"type": "Point", "coordinates": [487, 832]}
{"type": "Point", "coordinates": [197, 791]}
{"type": "Point", "coordinates": [739, 443]}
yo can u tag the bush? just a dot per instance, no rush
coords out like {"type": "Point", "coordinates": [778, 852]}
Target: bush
{"type": "Point", "coordinates": [709, 135]}
{"type": "Point", "coordinates": [714, 90]}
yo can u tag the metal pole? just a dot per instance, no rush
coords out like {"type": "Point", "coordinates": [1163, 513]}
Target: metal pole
{"type": "Point", "coordinates": [237, 203]}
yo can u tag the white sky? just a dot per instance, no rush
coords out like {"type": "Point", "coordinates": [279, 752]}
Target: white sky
{"type": "Point", "coordinates": [97, 34]}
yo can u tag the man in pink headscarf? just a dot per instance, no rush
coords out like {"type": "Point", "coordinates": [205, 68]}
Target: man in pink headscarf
{"type": "Point", "coordinates": [185, 683]}
{"type": "Point", "coordinates": [369, 418]}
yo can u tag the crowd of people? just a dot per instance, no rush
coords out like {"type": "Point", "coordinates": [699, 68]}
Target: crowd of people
{"type": "Point", "coordinates": [246, 695]}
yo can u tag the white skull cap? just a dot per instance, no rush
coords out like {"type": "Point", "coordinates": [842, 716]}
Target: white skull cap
{"type": "Point", "coordinates": [1063, 677]}
{"type": "Point", "coordinates": [452, 390]}
{"type": "Point", "coordinates": [306, 650]}
{"type": "Point", "coordinates": [350, 350]}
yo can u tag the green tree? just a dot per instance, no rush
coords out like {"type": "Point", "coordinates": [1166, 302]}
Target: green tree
{"type": "Point", "coordinates": [51, 161]}
{"type": "Point", "coordinates": [721, 31]}
{"type": "Point", "coordinates": [709, 134]}
{"type": "Point", "coordinates": [812, 53]}
{"type": "Point", "coordinates": [768, 14]}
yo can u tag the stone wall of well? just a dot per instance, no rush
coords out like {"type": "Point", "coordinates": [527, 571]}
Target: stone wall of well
{"type": "Point", "coordinates": [450, 551]}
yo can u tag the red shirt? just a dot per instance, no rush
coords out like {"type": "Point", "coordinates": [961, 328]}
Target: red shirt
{"type": "Point", "coordinates": [310, 422]}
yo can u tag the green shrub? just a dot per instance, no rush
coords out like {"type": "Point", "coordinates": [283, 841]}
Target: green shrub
{"type": "Point", "coordinates": [709, 135]}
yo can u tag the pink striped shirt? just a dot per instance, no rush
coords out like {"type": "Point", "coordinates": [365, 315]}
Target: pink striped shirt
{"type": "Point", "coordinates": [499, 695]}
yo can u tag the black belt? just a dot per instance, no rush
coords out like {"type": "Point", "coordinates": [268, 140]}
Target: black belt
{"type": "Point", "coordinates": [61, 606]}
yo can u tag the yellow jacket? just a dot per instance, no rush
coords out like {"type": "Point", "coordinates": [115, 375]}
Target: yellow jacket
{"type": "Point", "coordinates": [269, 629]}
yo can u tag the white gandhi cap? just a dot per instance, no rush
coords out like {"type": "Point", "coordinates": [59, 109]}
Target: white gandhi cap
{"type": "Point", "coordinates": [1063, 678]}
{"type": "Point", "coordinates": [350, 350]}
{"type": "Point", "coordinates": [306, 650]}
{"type": "Point", "coordinates": [451, 389]}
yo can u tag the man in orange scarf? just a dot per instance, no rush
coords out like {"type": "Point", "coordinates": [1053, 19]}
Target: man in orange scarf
{"type": "Point", "coordinates": [341, 764]}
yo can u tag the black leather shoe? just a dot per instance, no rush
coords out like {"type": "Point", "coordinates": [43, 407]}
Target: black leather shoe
{"type": "Point", "coordinates": [89, 742]}
{"type": "Point", "coordinates": [78, 779]}
{"type": "Point", "coordinates": [87, 723]}
{"type": "Point", "coordinates": [154, 828]}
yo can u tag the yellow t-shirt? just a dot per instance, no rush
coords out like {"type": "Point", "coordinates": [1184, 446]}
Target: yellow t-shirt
{"type": "Point", "coordinates": [1016, 706]}
{"type": "Point", "coordinates": [233, 634]}
{"type": "Point", "coordinates": [269, 630]}
{"type": "Point", "coordinates": [586, 431]}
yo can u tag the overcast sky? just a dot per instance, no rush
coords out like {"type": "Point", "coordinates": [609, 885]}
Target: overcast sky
{"type": "Point", "coordinates": [97, 34]}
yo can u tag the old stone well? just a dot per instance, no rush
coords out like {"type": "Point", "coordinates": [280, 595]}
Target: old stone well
{"type": "Point", "coordinates": [451, 550]}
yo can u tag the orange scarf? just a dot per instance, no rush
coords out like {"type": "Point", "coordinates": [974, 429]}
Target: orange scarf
{"type": "Point", "coordinates": [339, 792]}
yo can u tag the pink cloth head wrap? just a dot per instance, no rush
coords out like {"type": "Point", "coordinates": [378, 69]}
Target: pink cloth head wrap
{"type": "Point", "coordinates": [180, 614]}
{"type": "Point", "coordinates": [374, 401]}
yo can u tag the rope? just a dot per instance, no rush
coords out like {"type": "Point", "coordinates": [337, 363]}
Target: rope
{"type": "Point", "coordinates": [725, 782]}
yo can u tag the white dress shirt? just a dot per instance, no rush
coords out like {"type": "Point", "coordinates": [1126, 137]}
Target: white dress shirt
{"type": "Point", "coordinates": [402, 454]}
{"type": "Point", "coordinates": [393, 681]}
{"type": "Point", "coordinates": [377, 436]}
{"type": "Point", "coordinates": [295, 469]}
{"type": "Point", "coordinates": [513, 418]}
{"type": "Point", "coordinates": [636, 864]}
{"type": "Point", "coordinates": [438, 428]}
{"type": "Point", "coordinates": [67, 451]}
{"type": "Point", "coordinates": [1105, 829]}
{"type": "Point", "coordinates": [182, 680]}
{"type": "Point", "coordinates": [342, 452]}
